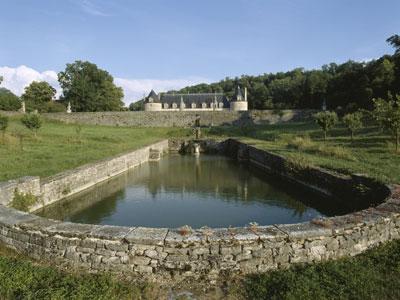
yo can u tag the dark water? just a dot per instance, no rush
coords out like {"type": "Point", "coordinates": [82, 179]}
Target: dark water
{"type": "Point", "coordinates": [178, 190]}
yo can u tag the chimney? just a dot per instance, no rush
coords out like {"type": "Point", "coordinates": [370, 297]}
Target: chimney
{"type": "Point", "coordinates": [245, 94]}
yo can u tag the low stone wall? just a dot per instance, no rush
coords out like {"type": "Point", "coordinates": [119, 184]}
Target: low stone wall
{"type": "Point", "coordinates": [355, 189]}
{"type": "Point", "coordinates": [171, 254]}
{"type": "Point", "coordinates": [182, 118]}
{"type": "Point", "coordinates": [62, 185]}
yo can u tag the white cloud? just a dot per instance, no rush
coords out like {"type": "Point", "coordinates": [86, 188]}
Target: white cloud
{"type": "Point", "coordinates": [16, 79]}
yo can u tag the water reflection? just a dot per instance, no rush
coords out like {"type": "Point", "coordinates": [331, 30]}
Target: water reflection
{"type": "Point", "coordinates": [193, 190]}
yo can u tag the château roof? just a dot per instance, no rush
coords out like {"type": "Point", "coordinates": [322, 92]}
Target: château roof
{"type": "Point", "coordinates": [199, 98]}
{"type": "Point", "coordinates": [154, 96]}
{"type": "Point", "coordinates": [238, 95]}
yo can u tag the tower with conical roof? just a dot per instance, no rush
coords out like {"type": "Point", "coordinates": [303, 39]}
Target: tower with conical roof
{"type": "Point", "coordinates": [152, 102]}
{"type": "Point", "coordinates": [239, 102]}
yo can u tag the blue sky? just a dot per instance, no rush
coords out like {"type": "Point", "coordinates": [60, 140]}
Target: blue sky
{"type": "Point", "coordinates": [164, 44]}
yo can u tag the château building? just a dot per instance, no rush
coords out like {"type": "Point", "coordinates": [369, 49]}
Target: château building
{"type": "Point", "coordinates": [196, 102]}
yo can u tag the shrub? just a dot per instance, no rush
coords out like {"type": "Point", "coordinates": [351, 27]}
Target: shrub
{"type": "Point", "coordinates": [3, 125]}
{"type": "Point", "coordinates": [326, 120]}
{"type": "Point", "coordinates": [353, 122]}
{"type": "Point", "coordinates": [32, 121]}
{"type": "Point", "coordinates": [23, 201]}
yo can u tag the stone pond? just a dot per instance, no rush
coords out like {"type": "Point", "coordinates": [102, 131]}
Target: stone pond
{"type": "Point", "coordinates": [195, 190]}
{"type": "Point", "coordinates": [304, 214]}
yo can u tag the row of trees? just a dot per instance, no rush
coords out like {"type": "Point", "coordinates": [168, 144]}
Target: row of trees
{"type": "Point", "coordinates": [84, 85]}
{"type": "Point", "coordinates": [386, 113]}
{"type": "Point", "coordinates": [350, 85]}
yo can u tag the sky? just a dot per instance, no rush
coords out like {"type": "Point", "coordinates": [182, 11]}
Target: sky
{"type": "Point", "coordinates": [169, 44]}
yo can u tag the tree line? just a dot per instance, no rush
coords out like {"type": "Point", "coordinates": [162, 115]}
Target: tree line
{"type": "Point", "coordinates": [350, 86]}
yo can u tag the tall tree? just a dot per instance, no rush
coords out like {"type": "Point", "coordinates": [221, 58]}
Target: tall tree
{"type": "Point", "coordinates": [394, 40]}
{"type": "Point", "coordinates": [38, 95]}
{"type": "Point", "coordinates": [89, 88]}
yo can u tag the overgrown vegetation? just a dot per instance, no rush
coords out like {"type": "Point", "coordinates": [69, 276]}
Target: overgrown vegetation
{"type": "Point", "coordinates": [23, 201]}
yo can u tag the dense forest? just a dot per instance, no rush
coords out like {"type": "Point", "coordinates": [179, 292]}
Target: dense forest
{"type": "Point", "coordinates": [350, 85]}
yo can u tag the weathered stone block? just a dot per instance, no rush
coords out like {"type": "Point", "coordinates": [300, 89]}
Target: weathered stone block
{"type": "Point", "coordinates": [139, 260]}
{"type": "Point", "coordinates": [147, 236]}
{"type": "Point", "coordinates": [304, 230]}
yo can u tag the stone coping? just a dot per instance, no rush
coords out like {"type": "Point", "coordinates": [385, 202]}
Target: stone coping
{"type": "Point", "coordinates": [328, 226]}
{"type": "Point", "coordinates": [169, 254]}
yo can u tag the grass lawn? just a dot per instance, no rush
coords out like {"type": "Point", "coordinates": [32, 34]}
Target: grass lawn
{"type": "Point", "coordinates": [60, 146]}
{"type": "Point", "coordinates": [372, 275]}
{"type": "Point", "coordinates": [371, 153]}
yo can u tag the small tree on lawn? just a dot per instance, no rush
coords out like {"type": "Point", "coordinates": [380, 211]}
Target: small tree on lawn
{"type": "Point", "coordinates": [326, 120]}
{"type": "Point", "coordinates": [3, 126]}
{"type": "Point", "coordinates": [353, 122]}
{"type": "Point", "coordinates": [387, 114]}
{"type": "Point", "coordinates": [32, 121]}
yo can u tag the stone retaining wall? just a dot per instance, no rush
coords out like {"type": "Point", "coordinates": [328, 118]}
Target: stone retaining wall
{"type": "Point", "coordinates": [171, 254]}
{"type": "Point", "coordinates": [182, 118]}
{"type": "Point", "coordinates": [54, 188]}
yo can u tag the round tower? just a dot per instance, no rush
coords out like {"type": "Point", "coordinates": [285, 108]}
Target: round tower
{"type": "Point", "coordinates": [238, 102]}
{"type": "Point", "coordinates": [152, 102]}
